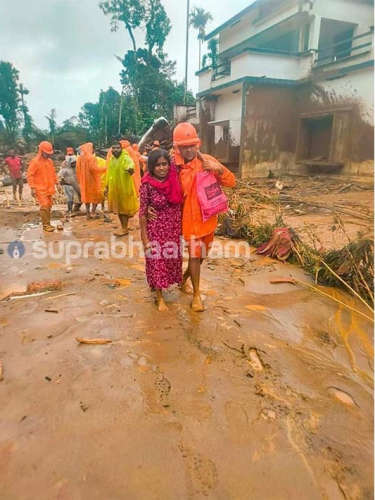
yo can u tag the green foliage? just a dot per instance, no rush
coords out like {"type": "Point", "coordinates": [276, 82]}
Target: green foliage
{"type": "Point", "coordinates": [27, 130]}
{"type": "Point", "coordinates": [9, 99]}
{"type": "Point", "coordinates": [52, 124]}
{"type": "Point", "coordinates": [199, 19]}
{"type": "Point", "coordinates": [213, 51]}
{"type": "Point", "coordinates": [149, 90]}
{"type": "Point", "coordinates": [157, 25]}
{"type": "Point", "coordinates": [129, 12]}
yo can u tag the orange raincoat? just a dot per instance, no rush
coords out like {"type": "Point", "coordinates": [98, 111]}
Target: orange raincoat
{"type": "Point", "coordinates": [41, 176]}
{"type": "Point", "coordinates": [89, 175]}
{"type": "Point", "coordinates": [192, 224]}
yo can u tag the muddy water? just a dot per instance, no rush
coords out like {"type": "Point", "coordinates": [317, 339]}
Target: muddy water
{"type": "Point", "coordinates": [266, 395]}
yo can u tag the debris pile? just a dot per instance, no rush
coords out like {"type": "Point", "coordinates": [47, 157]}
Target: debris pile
{"type": "Point", "coordinates": [350, 266]}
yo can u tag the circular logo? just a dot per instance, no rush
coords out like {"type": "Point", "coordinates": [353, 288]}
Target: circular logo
{"type": "Point", "coordinates": [16, 249]}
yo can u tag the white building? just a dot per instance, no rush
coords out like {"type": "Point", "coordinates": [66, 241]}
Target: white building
{"type": "Point", "coordinates": [292, 88]}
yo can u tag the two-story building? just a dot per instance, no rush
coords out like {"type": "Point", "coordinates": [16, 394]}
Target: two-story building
{"type": "Point", "coordinates": [292, 89]}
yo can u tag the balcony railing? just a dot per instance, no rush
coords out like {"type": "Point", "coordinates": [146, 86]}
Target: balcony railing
{"type": "Point", "coordinates": [350, 47]}
{"type": "Point", "coordinates": [221, 71]}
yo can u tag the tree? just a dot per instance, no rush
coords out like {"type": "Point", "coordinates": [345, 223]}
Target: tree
{"type": "Point", "coordinates": [52, 124]}
{"type": "Point", "coordinates": [212, 51]}
{"type": "Point", "coordinates": [27, 120]}
{"type": "Point", "coordinates": [199, 19]}
{"type": "Point", "coordinates": [129, 12]}
{"type": "Point", "coordinates": [149, 90]}
{"type": "Point", "coordinates": [9, 99]}
{"type": "Point", "coordinates": [157, 24]}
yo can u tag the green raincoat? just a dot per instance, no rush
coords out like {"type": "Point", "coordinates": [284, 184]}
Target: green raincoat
{"type": "Point", "coordinates": [122, 196]}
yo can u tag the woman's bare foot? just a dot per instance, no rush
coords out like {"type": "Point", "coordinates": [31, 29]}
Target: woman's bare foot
{"type": "Point", "coordinates": [197, 304]}
{"type": "Point", "coordinates": [120, 234]}
{"type": "Point", "coordinates": [185, 287]}
{"type": "Point", "coordinates": [161, 305]}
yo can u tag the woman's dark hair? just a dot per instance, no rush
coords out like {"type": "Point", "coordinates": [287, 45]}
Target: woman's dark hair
{"type": "Point", "coordinates": [153, 158]}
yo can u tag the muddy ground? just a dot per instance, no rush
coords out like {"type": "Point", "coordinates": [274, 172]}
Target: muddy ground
{"type": "Point", "coordinates": [311, 206]}
{"type": "Point", "coordinates": [266, 395]}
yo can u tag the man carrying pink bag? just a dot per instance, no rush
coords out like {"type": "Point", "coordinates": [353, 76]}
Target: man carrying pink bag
{"type": "Point", "coordinates": [201, 176]}
{"type": "Point", "coordinates": [210, 195]}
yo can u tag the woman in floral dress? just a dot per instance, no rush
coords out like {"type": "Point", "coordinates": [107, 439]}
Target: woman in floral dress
{"type": "Point", "coordinates": [161, 236]}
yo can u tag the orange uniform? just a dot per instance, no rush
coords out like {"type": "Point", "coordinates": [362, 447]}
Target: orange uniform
{"type": "Point", "coordinates": [89, 175]}
{"type": "Point", "coordinates": [198, 234]}
{"type": "Point", "coordinates": [192, 224]}
{"type": "Point", "coordinates": [41, 176]}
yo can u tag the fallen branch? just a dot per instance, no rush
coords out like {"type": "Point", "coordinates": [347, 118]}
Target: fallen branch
{"type": "Point", "coordinates": [347, 285]}
{"type": "Point", "coordinates": [93, 341]}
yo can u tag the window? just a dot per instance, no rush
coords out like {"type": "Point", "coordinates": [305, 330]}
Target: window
{"type": "Point", "coordinates": [324, 138]}
{"type": "Point", "coordinates": [335, 40]}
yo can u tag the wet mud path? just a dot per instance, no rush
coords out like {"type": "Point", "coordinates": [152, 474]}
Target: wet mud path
{"type": "Point", "coordinates": [266, 395]}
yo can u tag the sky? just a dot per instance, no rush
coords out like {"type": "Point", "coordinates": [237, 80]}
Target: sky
{"type": "Point", "coordinates": [65, 51]}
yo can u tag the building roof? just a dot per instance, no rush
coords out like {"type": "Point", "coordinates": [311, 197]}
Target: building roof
{"type": "Point", "coordinates": [255, 3]}
{"type": "Point", "coordinates": [234, 19]}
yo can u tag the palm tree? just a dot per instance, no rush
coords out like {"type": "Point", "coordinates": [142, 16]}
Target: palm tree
{"type": "Point", "coordinates": [199, 19]}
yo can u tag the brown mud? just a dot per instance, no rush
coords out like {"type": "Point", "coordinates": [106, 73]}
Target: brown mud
{"type": "Point", "coordinates": [266, 395]}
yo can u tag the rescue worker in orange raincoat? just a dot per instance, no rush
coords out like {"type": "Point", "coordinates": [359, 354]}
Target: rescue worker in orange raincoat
{"type": "Point", "coordinates": [42, 179]}
{"type": "Point", "coordinates": [89, 174]}
{"type": "Point", "coordinates": [199, 235]}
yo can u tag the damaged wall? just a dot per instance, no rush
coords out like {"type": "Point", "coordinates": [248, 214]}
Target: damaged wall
{"type": "Point", "coordinates": [222, 139]}
{"type": "Point", "coordinates": [269, 130]}
{"type": "Point", "coordinates": [277, 121]}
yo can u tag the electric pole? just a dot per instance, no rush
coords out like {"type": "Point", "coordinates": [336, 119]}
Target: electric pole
{"type": "Point", "coordinates": [187, 48]}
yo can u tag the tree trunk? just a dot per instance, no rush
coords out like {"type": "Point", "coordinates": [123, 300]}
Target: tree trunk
{"type": "Point", "coordinates": [130, 31]}
{"type": "Point", "coordinates": [200, 53]}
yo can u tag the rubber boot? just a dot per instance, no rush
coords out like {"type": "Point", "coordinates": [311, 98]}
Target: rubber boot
{"type": "Point", "coordinates": [45, 215]}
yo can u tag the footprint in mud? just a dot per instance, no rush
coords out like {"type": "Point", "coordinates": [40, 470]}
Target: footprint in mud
{"type": "Point", "coordinates": [163, 387]}
{"type": "Point", "coordinates": [201, 472]}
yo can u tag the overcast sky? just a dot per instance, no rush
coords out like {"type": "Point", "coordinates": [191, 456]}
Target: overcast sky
{"type": "Point", "coordinates": [64, 49]}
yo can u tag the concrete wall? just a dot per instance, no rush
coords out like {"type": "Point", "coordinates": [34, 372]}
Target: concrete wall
{"type": "Point", "coordinates": [272, 117]}
{"type": "Point", "coordinates": [350, 11]}
{"type": "Point", "coordinates": [229, 107]}
{"type": "Point", "coordinates": [259, 65]}
{"type": "Point", "coordinates": [355, 87]}
{"type": "Point", "coordinates": [245, 28]}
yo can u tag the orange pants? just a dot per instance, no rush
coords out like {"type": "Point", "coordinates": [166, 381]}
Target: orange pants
{"type": "Point", "coordinates": [44, 200]}
{"type": "Point", "coordinates": [199, 247]}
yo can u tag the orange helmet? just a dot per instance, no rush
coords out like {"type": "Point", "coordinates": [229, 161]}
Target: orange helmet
{"type": "Point", "coordinates": [185, 135]}
{"type": "Point", "coordinates": [45, 147]}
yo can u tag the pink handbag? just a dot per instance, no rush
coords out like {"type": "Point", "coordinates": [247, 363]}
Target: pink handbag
{"type": "Point", "coordinates": [211, 198]}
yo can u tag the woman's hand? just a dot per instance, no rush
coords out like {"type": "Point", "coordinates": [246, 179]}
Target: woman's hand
{"type": "Point", "coordinates": [210, 166]}
{"type": "Point", "coordinates": [152, 214]}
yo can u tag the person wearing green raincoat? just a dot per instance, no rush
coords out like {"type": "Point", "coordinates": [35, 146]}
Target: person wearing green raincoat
{"type": "Point", "coordinates": [120, 188]}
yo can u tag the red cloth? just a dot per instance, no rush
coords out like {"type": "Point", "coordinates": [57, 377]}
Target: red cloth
{"type": "Point", "coordinates": [171, 187]}
{"type": "Point", "coordinates": [15, 166]}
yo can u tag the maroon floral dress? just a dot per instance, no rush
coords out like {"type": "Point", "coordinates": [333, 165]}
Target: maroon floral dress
{"type": "Point", "coordinates": [164, 261]}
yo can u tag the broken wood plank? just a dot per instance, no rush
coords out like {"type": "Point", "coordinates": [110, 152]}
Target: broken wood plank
{"type": "Point", "coordinates": [93, 341]}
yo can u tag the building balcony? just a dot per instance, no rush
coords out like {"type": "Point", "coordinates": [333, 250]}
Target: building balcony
{"type": "Point", "coordinates": [355, 50]}
{"type": "Point", "coordinates": [259, 64]}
